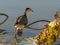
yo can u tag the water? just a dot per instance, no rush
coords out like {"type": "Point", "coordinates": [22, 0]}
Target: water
{"type": "Point", "coordinates": [43, 9]}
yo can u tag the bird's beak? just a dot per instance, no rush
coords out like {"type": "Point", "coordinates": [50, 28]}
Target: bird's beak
{"type": "Point", "coordinates": [32, 10]}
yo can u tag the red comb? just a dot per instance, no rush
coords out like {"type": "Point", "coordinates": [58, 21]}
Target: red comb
{"type": "Point", "coordinates": [30, 8]}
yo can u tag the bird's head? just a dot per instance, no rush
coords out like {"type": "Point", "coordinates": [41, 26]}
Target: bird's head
{"type": "Point", "coordinates": [27, 11]}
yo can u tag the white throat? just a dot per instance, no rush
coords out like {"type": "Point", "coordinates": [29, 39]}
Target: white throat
{"type": "Point", "coordinates": [28, 12]}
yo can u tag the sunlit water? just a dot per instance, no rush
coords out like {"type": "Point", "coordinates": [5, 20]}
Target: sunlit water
{"type": "Point", "coordinates": [43, 9]}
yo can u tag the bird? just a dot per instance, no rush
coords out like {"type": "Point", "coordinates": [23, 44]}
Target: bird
{"type": "Point", "coordinates": [22, 21]}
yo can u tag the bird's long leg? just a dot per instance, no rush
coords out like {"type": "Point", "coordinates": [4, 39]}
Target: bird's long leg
{"type": "Point", "coordinates": [15, 36]}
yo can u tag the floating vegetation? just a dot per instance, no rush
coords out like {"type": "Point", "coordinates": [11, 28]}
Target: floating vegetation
{"type": "Point", "coordinates": [28, 26]}
{"type": "Point", "coordinates": [47, 36]}
{"type": "Point", "coordinates": [3, 14]}
{"type": "Point", "coordinates": [2, 30]}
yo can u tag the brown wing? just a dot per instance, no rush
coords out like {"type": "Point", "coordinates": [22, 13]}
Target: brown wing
{"type": "Point", "coordinates": [17, 20]}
